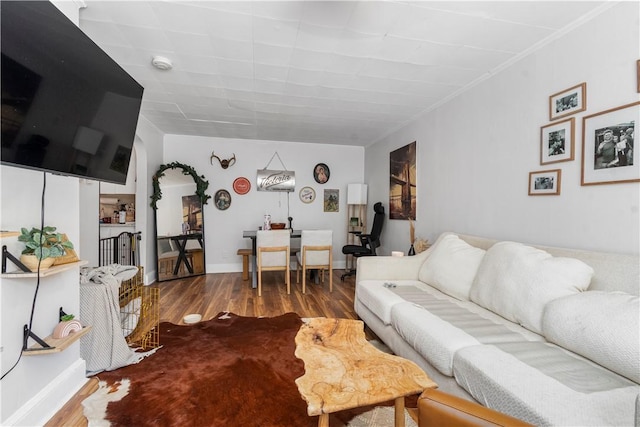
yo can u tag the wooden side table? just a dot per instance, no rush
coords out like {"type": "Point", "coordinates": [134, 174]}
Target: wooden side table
{"type": "Point", "coordinates": [343, 371]}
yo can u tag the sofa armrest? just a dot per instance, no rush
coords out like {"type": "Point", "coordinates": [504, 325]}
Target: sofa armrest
{"type": "Point", "coordinates": [436, 408]}
{"type": "Point", "coordinates": [389, 267]}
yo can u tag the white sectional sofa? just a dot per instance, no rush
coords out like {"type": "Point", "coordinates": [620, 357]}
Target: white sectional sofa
{"type": "Point", "coordinates": [547, 335]}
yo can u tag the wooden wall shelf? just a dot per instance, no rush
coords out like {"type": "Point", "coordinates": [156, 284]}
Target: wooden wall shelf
{"type": "Point", "coordinates": [57, 344]}
{"type": "Point", "coordinates": [9, 234]}
{"type": "Point", "coordinates": [43, 273]}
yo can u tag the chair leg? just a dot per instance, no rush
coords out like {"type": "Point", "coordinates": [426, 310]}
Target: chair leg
{"type": "Point", "coordinates": [259, 268]}
{"type": "Point", "coordinates": [298, 273]}
{"type": "Point", "coordinates": [330, 273]}
{"type": "Point", "coordinates": [304, 279]}
{"type": "Point", "coordinates": [288, 276]}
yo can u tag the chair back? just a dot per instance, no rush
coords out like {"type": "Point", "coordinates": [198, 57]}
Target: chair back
{"type": "Point", "coordinates": [270, 239]}
{"type": "Point", "coordinates": [376, 228]}
{"type": "Point", "coordinates": [316, 238]}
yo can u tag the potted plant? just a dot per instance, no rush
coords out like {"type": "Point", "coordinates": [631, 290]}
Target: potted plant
{"type": "Point", "coordinates": [42, 246]}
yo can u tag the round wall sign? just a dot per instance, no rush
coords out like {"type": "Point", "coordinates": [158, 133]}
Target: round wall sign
{"type": "Point", "coordinates": [321, 173]}
{"type": "Point", "coordinates": [307, 194]}
{"type": "Point", "coordinates": [222, 199]}
{"type": "Point", "coordinates": [241, 185]}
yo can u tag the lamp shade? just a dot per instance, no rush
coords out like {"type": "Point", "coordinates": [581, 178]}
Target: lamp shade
{"type": "Point", "coordinates": [357, 194]}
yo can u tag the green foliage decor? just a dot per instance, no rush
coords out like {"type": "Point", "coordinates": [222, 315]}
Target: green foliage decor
{"type": "Point", "coordinates": [45, 243]}
{"type": "Point", "coordinates": [201, 183]}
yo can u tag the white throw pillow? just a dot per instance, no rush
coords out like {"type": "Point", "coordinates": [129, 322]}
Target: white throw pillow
{"type": "Point", "coordinates": [517, 281]}
{"type": "Point", "coordinates": [451, 266]}
{"type": "Point", "coordinates": [601, 326]}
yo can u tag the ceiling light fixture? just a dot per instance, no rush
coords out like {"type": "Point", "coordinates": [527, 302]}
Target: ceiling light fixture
{"type": "Point", "coordinates": [161, 63]}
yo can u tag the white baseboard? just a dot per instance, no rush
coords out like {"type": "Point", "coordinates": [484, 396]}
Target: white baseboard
{"type": "Point", "coordinates": [44, 405]}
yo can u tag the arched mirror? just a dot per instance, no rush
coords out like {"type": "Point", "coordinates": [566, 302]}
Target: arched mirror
{"type": "Point", "coordinates": [178, 201]}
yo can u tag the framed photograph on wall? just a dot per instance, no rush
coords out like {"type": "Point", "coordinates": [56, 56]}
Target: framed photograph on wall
{"type": "Point", "coordinates": [568, 102]}
{"type": "Point", "coordinates": [331, 200]}
{"type": "Point", "coordinates": [608, 152]}
{"type": "Point", "coordinates": [321, 173]}
{"type": "Point", "coordinates": [222, 199]}
{"type": "Point", "coordinates": [557, 142]}
{"type": "Point", "coordinates": [403, 186]}
{"type": "Point", "coordinates": [545, 183]}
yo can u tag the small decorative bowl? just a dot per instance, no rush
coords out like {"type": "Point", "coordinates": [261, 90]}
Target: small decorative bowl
{"type": "Point", "coordinates": [192, 318]}
{"type": "Point", "coordinates": [278, 225]}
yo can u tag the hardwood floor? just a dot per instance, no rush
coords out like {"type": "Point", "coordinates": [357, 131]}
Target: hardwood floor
{"type": "Point", "coordinates": [214, 293]}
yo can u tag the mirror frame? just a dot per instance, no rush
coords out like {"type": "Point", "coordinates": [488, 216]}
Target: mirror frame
{"type": "Point", "coordinates": [201, 183]}
{"type": "Point", "coordinates": [201, 187]}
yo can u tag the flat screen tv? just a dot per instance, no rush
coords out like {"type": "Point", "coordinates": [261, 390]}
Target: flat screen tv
{"type": "Point", "coordinates": [67, 107]}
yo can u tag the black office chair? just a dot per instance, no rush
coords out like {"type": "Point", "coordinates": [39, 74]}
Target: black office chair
{"type": "Point", "coordinates": [368, 242]}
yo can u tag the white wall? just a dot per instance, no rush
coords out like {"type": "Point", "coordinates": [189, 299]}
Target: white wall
{"type": "Point", "coordinates": [39, 385]}
{"type": "Point", "coordinates": [148, 143]}
{"type": "Point", "coordinates": [475, 152]}
{"type": "Point", "coordinates": [223, 229]}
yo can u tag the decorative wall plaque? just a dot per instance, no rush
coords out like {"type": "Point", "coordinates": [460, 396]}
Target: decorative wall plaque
{"type": "Point", "coordinates": [275, 180]}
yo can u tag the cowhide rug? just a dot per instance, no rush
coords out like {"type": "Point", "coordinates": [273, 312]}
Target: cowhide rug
{"type": "Point", "coordinates": [228, 371]}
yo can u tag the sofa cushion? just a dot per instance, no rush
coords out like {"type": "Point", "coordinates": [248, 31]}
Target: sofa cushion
{"type": "Point", "coordinates": [437, 325]}
{"type": "Point", "coordinates": [545, 385]}
{"type": "Point", "coordinates": [517, 281]}
{"type": "Point", "coordinates": [377, 296]}
{"type": "Point", "coordinates": [451, 267]}
{"type": "Point", "coordinates": [601, 326]}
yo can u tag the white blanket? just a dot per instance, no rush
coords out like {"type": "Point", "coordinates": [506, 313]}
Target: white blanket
{"type": "Point", "coordinates": [105, 347]}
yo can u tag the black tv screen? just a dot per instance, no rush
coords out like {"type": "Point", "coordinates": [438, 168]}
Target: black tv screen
{"type": "Point", "coordinates": [67, 107]}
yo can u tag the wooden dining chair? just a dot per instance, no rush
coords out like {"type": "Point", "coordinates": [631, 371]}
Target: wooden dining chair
{"type": "Point", "coordinates": [272, 253]}
{"type": "Point", "coordinates": [316, 247]}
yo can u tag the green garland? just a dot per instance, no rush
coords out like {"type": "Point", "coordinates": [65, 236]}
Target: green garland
{"type": "Point", "coordinates": [201, 184]}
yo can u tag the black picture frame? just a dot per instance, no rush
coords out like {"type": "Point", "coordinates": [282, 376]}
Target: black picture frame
{"type": "Point", "coordinates": [321, 173]}
{"type": "Point", "coordinates": [222, 199]}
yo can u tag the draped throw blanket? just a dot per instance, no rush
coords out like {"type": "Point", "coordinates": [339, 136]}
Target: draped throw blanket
{"type": "Point", "coordinates": [105, 347]}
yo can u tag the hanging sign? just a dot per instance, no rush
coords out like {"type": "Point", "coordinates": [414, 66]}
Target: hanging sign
{"type": "Point", "coordinates": [275, 180]}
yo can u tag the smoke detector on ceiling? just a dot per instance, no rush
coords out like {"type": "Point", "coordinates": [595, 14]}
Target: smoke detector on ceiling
{"type": "Point", "coordinates": [161, 63]}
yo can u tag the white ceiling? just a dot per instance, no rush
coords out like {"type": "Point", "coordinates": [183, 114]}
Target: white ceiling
{"type": "Point", "coordinates": [338, 72]}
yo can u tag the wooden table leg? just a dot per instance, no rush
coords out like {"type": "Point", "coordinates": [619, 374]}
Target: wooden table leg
{"type": "Point", "coordinates": [323, 420]}
{"type": "Point", "coordinates": [399, 404]}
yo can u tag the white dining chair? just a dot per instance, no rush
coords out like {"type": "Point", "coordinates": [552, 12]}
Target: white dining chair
{"type": "Point", "coordinates": [272, 253]}
{"type": "Point", "coordinates": [316, 247]}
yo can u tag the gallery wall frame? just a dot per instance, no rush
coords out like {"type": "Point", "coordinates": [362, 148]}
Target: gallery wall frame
{"type": "Point", "coordinates": [608, 152]}
{"type": "Point", "coordinates": [321, 173]}
{"type": "Point", "coordinates": [222, 199]}
{"type": "Point", "coordinates": [331, 200]}
{"type": "Point", "coordinates": [403, 182]}
{"type": "Point", "coordinates": [568, 102]}
{"type": "Point", "coordinates": [545, 183]}
{"type": "Point", "coordinates": [557, 142]}
{"type": "Point", "coordinates": [307, 194]}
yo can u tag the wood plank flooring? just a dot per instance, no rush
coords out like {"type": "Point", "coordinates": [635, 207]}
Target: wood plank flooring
{"type": "Point", "coordinates": [214, 293]}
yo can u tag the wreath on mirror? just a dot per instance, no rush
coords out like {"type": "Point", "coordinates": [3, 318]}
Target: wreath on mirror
{"type": "Point", "coordinates": [201, 183]}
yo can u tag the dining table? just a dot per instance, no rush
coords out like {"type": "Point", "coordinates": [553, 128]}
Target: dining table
{"type": "Point", "coordinates": [252, 234]}
{"type": "Point", "coordinates": [180, 241]}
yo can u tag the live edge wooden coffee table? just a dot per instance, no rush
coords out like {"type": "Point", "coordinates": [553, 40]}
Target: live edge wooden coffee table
{"type": "Point", "coordinates": [343, 371]}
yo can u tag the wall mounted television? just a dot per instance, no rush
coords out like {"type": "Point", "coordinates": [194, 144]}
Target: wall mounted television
{"type": "Point", "coordinates": [67, 107]}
